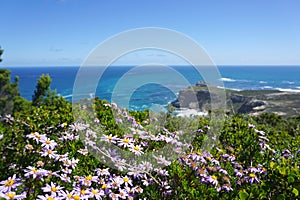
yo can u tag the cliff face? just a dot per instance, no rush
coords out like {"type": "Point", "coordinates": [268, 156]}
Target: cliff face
{"type": "Point", "coordinates": [252, 102]}
{"type": "Point", "coordinates": [189, 98]}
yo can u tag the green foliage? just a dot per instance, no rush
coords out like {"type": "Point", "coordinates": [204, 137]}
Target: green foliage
{"type": "Point", "coordinates": [1, 52]}
{"type": "Point", "coordinates": [10, 99]}
{"type": "Point", "coordinates": [42, 90]}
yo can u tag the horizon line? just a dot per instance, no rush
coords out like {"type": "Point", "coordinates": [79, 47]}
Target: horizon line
{"type": "Point", "coordinates": [175, 65]}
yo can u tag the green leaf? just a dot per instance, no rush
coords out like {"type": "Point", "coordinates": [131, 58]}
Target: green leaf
{"type": "Point", "coordinates": [272, 164]}
{"type": "Point", "coordinates": [291, 179]}
{"type": "Point", "coordinates": [243, 195]}
{"type": "Point", "coordinates": [295, 191]}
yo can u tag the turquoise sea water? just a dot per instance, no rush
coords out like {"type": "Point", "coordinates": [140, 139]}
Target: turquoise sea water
{"type": "Point", "coordinates": [285, 78]}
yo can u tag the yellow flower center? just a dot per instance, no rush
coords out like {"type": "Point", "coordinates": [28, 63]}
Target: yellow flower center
{"type": "Point", "coordinates": [89, 178]}
{"type": "Point", "coordinates": [136, 148]}
{"type": "Point", "coordinates": [214, 177]}
{"type": "Point", "coordinates": [109, 138]}
{"type": "Point", "coordinates": [69, 195]}
{"type": "Point", "coordinates": [11, 195]}
{"type": "Point", "coordinates": [48, 142]}
{"type": "Point", "coordinates": [126, 140]}
{"type": "Point", "coordinates": [252, 175]}
{"type": "Point", "coordinates": [76, 197]}
{"type": "Point", "coordinates": [9, 183]}
{"type": "Point", "coordinates": [95, 191]}
{"type": "Point", "coordinates": [50, 198]}
{"type": "Point", "coordinates": [83, 192]}
{"type": "Point", "coordinates": [34, 170]}
{"type": "Point", "coordinates": [126, 179]}
{"type": "Point", "coordinates": [53, 189]}
{"type": "Point", "coordinates": [49, 151]}
{"type": "Point", "coordinates": [104, 186]}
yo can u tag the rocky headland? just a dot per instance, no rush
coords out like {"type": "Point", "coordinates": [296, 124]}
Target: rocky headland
{"type": "Point", "coordinates": [253, 102]}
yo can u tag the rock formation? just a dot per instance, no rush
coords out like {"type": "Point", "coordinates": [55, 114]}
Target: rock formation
{"type": "Point", "coordinates": [251, 102]}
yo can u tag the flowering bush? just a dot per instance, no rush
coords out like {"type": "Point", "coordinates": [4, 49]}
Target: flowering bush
{"type": "Point", "coordinates": [47, 155]}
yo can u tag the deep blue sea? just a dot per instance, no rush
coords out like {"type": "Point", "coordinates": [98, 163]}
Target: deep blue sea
{"type": "Point", "coordinates": [285, 78]}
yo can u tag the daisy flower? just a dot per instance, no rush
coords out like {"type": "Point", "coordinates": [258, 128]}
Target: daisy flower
{"type": "Point", "coordinates": [40, 163]}
{"type": "Point", "coordinates": [77, 127]}
{"type": "Point", "coordinates": [125, 142]}
{"type": "Point", "coordinates": [137, 149]}
{"type": "Point", "coordinates": [127, 181]}
{"type": "Point", "coordinates": [53, 188]}
{"type": "Point", "coordinates": [62, 157]}
{"type": "Point", "coordinates": [48, 197]}
{"type": "Point", "coordinates": [114, 196]}
{"type": "Point", "coordinates": [135, 173]}
{"type": "Point", "coordinates": [48, 143]}
{"type": "Point", "coordinates": [29, 147]}
{"type": "Point", "coordinates": [97, 194]}
{"type": "Point", "coordinates": [109, 138]}
{"type": "Point", "coordinates": [87, 181]}
{"type": "Point", "coordinates": [71, 163]}
{"type": "Point", "coordinates": [102, 172]}
{"type": "Point", "coordinates": [67, 195]}
{"type": "Point", "coordinates": [89, 142]}
{"type": "Point", "coordinates": [146, 181]}
{"type": "Point", "coordinates": [252, 178]}
{"type": "Point", "coordinates": [66, 170]}
{"type": "Point", "coordinates": [227, 188]}
{"type": "Point", "coordinates": [81, 193]}
{"type": "Point", "coordinates": [49, 153]}
{"type": "Point", "coordinates": [213, 180]}
{"type": "Point", "coordinates": [146, 166]}
{"type": "Point", "coordinates": [12, 195]}
{"type": "Point", "coordinates": [36, 136]}
{"type": "Point", "coordinates": [138, 189]}
{"type": "Point", "coordinates": [65, 178]}
{"type": "Point", "coordinates": [120, 164]}
{"type": "Point", "coordinates": [9, 184]}
{"type": "Point", "coordinates": [123, 194]}
{"type": "Point", "coordinates": [34, 172]}
{"type": "Point", "coordinates": [162, 160]}
{"type": "Point", "coordinates": [83, 151]}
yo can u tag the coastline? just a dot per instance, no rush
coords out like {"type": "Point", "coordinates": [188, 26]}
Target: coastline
{"type": "Point", "coordinates": [252, 102]}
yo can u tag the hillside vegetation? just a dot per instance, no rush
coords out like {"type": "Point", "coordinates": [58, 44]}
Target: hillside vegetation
{"type": "Point", "coordinates": [51, 149]}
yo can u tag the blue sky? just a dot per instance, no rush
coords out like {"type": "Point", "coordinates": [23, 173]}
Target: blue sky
{"type": "Point", "coordinates": [64, 32]}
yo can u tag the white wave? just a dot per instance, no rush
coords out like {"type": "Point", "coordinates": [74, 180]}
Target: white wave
{"type": "Point", "coordinates": [185, 112]}
{"type": "Point", "coordinates": [67, 96]}
{"type": "Point", "coordinates": [235, 89]}
{"type": "Point", "coordinates": [227, 79]}
{"type": "Point", "coordinates": [262, 82]}
{"type": "Point", "coordinates": [298, 87]}
{"type": "Point", "coordinates": [287, 90]}
{"type": "Point", "coordinates": [288, 82]}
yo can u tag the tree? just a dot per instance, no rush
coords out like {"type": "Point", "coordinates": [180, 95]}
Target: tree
{"type": "Point", "coordinates": [8, 92]}
{"type": "Point", "coordinates": [1, 52]}
{"type": "Point", "coordinates": [42, 90]}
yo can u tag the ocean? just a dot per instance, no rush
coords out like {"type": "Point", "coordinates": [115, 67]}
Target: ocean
{"type": "Point", "coordinates": [284, 78]}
